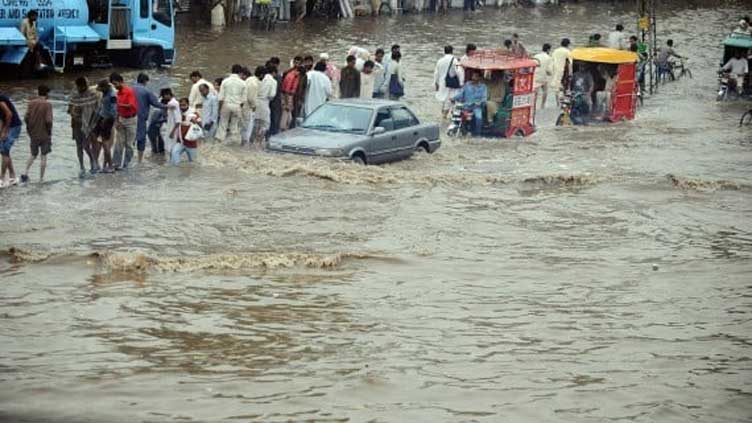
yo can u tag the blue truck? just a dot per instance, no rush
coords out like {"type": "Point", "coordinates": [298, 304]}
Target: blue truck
{"type": "Point", "coordinates": [87, 33]}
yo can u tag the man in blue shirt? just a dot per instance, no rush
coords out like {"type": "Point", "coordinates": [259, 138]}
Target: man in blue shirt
{"type": "Point", "coordinates": [209, 111]}
{"type": "Point", "coordinates": [474, 96]}
{"type": "Point", "coordinates": [146, 100]}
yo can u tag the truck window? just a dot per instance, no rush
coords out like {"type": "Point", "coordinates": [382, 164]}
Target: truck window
{"type": "Point", "coordinates": [98, 11]}
{"type": "Point", "coordinates": [162, 12]}
{"type": "Point", "coordinates": [144, 8]}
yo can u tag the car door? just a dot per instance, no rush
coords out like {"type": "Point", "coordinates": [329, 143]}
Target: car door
{"type": "Point", "coordinates": [407, 132]}
{"type": "Point", "coordinates": [381, 145]}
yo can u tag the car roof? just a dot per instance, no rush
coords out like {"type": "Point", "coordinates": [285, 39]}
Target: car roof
{"type": "Point", "coordinates": [371, 103]}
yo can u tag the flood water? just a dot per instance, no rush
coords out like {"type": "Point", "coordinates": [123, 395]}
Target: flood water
{"type": "Point", "coordinates": [583, 274]}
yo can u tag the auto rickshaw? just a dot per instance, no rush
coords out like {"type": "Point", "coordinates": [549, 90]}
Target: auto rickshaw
{"type": "Point", "coordinates": [735, 43]}
{"type": "Point", "coordinates": [510, 109]}
{"type": "Point", "coordinates": [601, 85]}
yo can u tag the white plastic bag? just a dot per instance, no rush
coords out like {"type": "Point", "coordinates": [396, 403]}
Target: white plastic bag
{"type": "Point", "coordinates": [194, 132]}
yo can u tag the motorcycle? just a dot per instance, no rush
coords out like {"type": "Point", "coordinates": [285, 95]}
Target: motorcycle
{"type": "Point", "coordinates": [723, 85]}
{"type": "Point", "coordinates": [460, 122]}
{"type": "Point", "coordinates": [573, 109]}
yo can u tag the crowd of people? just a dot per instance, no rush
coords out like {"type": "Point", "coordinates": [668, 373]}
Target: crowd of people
{"type": "Point", "coordinates": [111, 121]}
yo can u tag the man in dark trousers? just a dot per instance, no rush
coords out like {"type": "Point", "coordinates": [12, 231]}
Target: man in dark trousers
{"type": "Point", "coordinates": [349, 84]}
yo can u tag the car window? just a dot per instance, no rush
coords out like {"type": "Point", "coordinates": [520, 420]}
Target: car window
{"type": "Point", "coordinates": [403, 118]}
{"type": "Point", "coordinates": [384, 120]}
{"type": "Point", "coordinates": [339, 118]}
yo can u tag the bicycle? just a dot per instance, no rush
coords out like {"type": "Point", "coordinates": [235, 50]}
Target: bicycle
{"type": "Point", "coordinates": [669, 71]}
{"type": "Point", "coordinates": [681, 66]}
{"type": "Point", "coordinates": [746, 118]}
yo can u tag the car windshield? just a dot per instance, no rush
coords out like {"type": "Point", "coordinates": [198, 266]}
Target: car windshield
{"type": "Point", "coordinates": [339, 118]}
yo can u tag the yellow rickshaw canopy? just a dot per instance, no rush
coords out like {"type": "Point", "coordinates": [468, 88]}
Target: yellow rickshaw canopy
{"type": "Point", "coordinates": [603, 55]}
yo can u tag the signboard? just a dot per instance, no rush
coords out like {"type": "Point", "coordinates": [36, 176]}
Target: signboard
{"type": "Point", "coordinates": [523, 83]}
{"type": "Point", "coordinates": [644, 23]}
{"type": "Point", "coordinates": [524, 100]}
{"type": "Point", "coordinates": [17, 9]}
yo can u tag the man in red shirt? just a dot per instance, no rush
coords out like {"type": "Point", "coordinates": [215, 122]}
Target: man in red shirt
{"type": "Point", "coordinates": [126, 122]}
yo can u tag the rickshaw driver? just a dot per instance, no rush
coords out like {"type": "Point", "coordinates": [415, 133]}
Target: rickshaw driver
{"type": "Point", "coordinates": [738, 67]}
{"type": "Point", "coordinates": [474, 96]}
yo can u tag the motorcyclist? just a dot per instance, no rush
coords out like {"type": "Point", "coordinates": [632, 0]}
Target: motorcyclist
{"type": "Point", "coordinates": [474, 96]}
{"type": "Point", "coordinates": [738, 68]}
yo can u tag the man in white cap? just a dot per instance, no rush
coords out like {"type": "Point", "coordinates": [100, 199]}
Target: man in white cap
{"type": "Point", "coordinates": [332, 72]}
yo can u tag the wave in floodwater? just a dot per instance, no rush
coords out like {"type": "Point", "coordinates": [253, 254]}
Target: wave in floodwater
{"type": "Point", "coordinates": [111, 261]}
{"type": "Point", "coordinates": [348, 173]}
{"type": "Point", "coordinates": [563, 180]}
{"type": "Point", "coordinates": [707, 185]}
{"type": "Point", "coordinates": [406, 173]}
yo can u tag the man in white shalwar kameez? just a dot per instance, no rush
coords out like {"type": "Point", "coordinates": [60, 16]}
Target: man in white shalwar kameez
{"type": "Point", "coordinates": [543, 74]}
{"type": "Point", "coordinates": [559, 58]}
{"type": "Point", "coordinates": [446, 66]}
{"type": "Point", "coordinates": [247, 131]}
{"type": "Point", "coordinates": [318, 88]}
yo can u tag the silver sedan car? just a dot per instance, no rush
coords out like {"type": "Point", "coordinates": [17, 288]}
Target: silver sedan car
{"type": "Point", "coordinates": [364, 131]}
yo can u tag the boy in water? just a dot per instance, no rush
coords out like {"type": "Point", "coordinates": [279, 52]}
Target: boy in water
{"type": "Point", "coordinates": [174, 117]}
{"type": "Point", "coordinates": [38, 121]}
{"type": "Point", "coordinates": [103, 128]}
{"type": "Point", "coordinates": [82, 108]}
{"type": "Point", "coordinates": [10, 129]}
{"type": "Point", "coordinates": [189, 147]}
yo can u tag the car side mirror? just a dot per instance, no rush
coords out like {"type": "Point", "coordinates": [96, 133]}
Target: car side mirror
{"type": "Point", "coordinates": [298, 121]}
{"type": "Point", "coordinates": [378, 130]}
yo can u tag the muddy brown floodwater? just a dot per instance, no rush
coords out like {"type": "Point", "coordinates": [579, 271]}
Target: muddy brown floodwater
{"type": "Point", "coordinates": [582, 275]}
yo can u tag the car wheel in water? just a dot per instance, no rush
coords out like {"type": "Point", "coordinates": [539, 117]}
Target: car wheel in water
{"type": "Point", "coordinates": [358, 159]}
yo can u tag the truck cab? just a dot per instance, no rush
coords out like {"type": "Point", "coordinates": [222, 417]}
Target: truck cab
{"type": "Point", "coordinates": [137, 33]}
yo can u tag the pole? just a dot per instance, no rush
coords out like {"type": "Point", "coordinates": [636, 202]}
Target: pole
{"type": "Point", "coordinates": [653, 25]}
{"type": "Point", "coordinates": [647, 27]}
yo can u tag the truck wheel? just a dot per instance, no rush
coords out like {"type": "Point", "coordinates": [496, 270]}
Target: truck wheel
{"type": "Point", "coordinates": [151, 58]}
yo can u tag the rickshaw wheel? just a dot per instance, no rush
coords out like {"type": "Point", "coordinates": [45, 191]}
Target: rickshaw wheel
{"type": "Point", "coordinates": [519, 133]}
{"type": "Point", "coordinates": [746, 119]}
